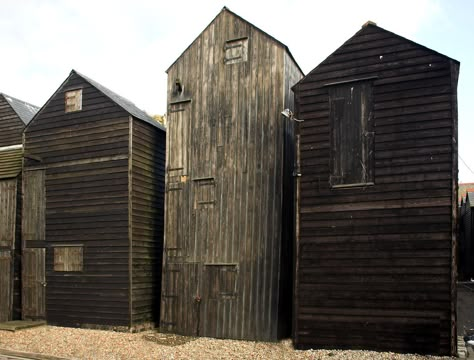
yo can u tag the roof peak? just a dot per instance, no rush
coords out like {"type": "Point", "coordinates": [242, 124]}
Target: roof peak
{"type": "Point", "coordinates": [23, 109]}
{"type": "Point", "coordinates": [369, 22]}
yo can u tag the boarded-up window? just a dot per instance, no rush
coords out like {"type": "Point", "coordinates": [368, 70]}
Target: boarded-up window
{"type": "Point", "coordinates": [68, 258]}
{"type": "Point", "coordinates": [73, 100]}
{"type": "Point", "coordinates": [236, 51]}
{"type": "Point", "coordinates": [205, 192]}
{"type": "Point", "coordinates": [352, 134]}
{"type": "Point", "coordinates": [222, 280]}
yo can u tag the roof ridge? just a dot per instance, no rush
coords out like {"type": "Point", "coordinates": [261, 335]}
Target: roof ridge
{"type": "Point", "coordinates": [121, 101]}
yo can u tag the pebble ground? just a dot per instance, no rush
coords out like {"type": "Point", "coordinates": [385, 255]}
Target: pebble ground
{"type": "Point", "coordinates": [107, 345]}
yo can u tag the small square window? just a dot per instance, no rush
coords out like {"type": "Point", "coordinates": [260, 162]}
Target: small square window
{"type": "Point", "coordinates": [68, 258]}
{"type": "Point", "coordinates": [236, 51]}
{"type": "Point", "coordinates": [73, 100]}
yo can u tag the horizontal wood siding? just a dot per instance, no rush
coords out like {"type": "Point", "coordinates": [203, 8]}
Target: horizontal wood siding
{"type": "Point", "coordinates": [374, 262]}
{"type": "Point", "coordinates": [148, 185]}
{"type": "Point", "coordinates": [11, 126]}
{"type": "Point", "coordinates": [224, 184]}
{"type": "Point", "coordinates": [85, 156]}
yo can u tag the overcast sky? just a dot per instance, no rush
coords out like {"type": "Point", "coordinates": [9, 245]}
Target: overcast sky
{"type": "Point", "coordinates": [128, 45]}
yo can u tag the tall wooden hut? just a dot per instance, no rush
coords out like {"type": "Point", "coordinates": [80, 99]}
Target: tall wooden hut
{"type": "Point", "coordinates": [229, 194]}
{"type": "Point", "coordinates": [92, 227]}
{"type": "Point", "coordinates": [14, 116]}
{"type": "Point", "coordinates": [376, 200]}
{"type": "Point", "coordinates": [466, 239]}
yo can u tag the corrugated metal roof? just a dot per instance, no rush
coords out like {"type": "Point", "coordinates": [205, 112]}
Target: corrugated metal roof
{"type": "Point", "coordinates": [24, 110]}
{"type": "Point", "coordinates": [11, 158]}
{"type": "Point", "coordinates": [126, 104]}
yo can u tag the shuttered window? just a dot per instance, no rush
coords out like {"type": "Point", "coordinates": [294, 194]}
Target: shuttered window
{"type": "Point", "coordinates": [68, 258]}
{"type": "Point", "coordinates": [73, 100]}
{"type": "Point", "coordinates": [236, 51]}
{"type": "Point", "coordinates": [352, 134]}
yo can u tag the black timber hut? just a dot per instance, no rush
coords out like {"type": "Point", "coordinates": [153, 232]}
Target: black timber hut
{"type": "Point", "coordinates": [14, 116]}
{"type": "Point", "coordinates": [92, 226]}
{"type": "Point", "coordinates": [229, 194]}
{"type": "Point", "coordinates": [377, 198]}
{"type": "Point", "coordinates": [466, 239]}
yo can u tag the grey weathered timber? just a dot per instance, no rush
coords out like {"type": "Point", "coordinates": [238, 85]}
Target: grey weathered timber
{"type": "Point", "coordinates": [5, 285]}
{"type": "Point", "coordinates": [228, 233]}
{"type": "Point", "coordinates": [14, 115]}
{"type": "Point", "coordinates": [93, 203]}
{"type": "Point", "coordinates": [33, 284]}
{"type": "Point", "coordinates": [377, 198]}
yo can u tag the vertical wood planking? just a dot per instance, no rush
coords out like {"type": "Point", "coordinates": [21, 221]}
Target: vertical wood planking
{"type": "Point", "coordinates": [8, 204]}
{"type": "Point", "coordinates": [34, 284]}
{"type": "Point", "coordinates": [6, 287]}
{"type": "Point", "coordinates": [34, 206]}
{"type": "Point", "coordinates": [235, 141]}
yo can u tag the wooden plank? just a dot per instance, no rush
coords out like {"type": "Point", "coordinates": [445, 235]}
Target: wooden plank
{"type": "Point", "coordinates": [8, 212]}
{"type": "Point", "coordinates": [34, 284]}
{"type": "Point", "coordinates": [34, 206]}
{"type": "Point", "coordinates": [6, 285]}
{"type": "Point", "coordinates": [353, 243]}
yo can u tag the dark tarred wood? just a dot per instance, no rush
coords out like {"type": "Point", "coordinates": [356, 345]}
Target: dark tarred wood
{"type": "Point", "coordinates": [104, 186]}
{"type": "Point", "coordinates": [375, 263]}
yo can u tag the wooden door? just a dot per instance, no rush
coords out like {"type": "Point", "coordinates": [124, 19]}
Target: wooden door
{"type": "Point", "coordinates": [34, 284]}
{"type": "Point", "coordinates": [33, 215]}
{"type": "Point", "coordinates": [8, 193]}
{"type": "Point", "coordinates": [5, 285]}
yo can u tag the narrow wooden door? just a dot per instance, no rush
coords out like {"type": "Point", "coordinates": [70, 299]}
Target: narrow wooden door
{"type": "Point", "coordinates": [8, 201]}
{"type": "Point", "coordinates": [34, 284]}
{"type": "Point", "coordinates": [8, 193]}
{"type": "Point", "coordinates": [5, 285]}
{"type": "Point", "coordinates": [33, 233]}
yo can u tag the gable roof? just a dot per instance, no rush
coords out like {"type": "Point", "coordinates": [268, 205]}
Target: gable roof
{"type": "Point", "coordinates": [366, 28]}
{"type": "Point", "coordinates": [225, 9]}
{"type": "Point", "coordinates": [24, 110]}
{"type": "Point", "coordinates": [125, 104]}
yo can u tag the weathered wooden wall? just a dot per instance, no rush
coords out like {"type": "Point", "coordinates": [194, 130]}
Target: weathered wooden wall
{"type": "Point", "coordinates": [224, 186]}
{"type": "Point", "coordinates": [11, 126]}
{"type": "Point", "coordinates": [147, 221]}
{"type": "Point", "coordinates": [375, 264]}
{"type": "Point", "coordinates": [85, 157]}
{"type": "Point", "coordinates": [98, 181]}
{"type": "Point", "coordinates": [11, 153]}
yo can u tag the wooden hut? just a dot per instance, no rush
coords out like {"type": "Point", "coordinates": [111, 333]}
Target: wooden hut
{"type": "Point", "coordinates": [92, 227]}
{"type": "Point", "coordinates": [14, 116]}
{"type": "Point", "coordinates": [229, 194]}
{"type": "Point", "coordinates": [466, 239]}
{"type": "Point", "coordinates": [376, 200]}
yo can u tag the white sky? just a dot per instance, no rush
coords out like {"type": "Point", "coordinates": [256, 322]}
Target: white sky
{"type": "Point", "coordinates": [128, 45]}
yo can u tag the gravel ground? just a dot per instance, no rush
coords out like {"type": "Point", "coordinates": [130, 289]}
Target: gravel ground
{"type": "Point", "coordinates": [108, 345]}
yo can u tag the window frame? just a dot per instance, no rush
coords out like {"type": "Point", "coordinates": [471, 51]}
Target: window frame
{"type": "Point", "coordinates": [360, 90]}
{"type": "Point", "coordinates": [63, 267]}
{"type": "Point", "coordinates": [78, 100]}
